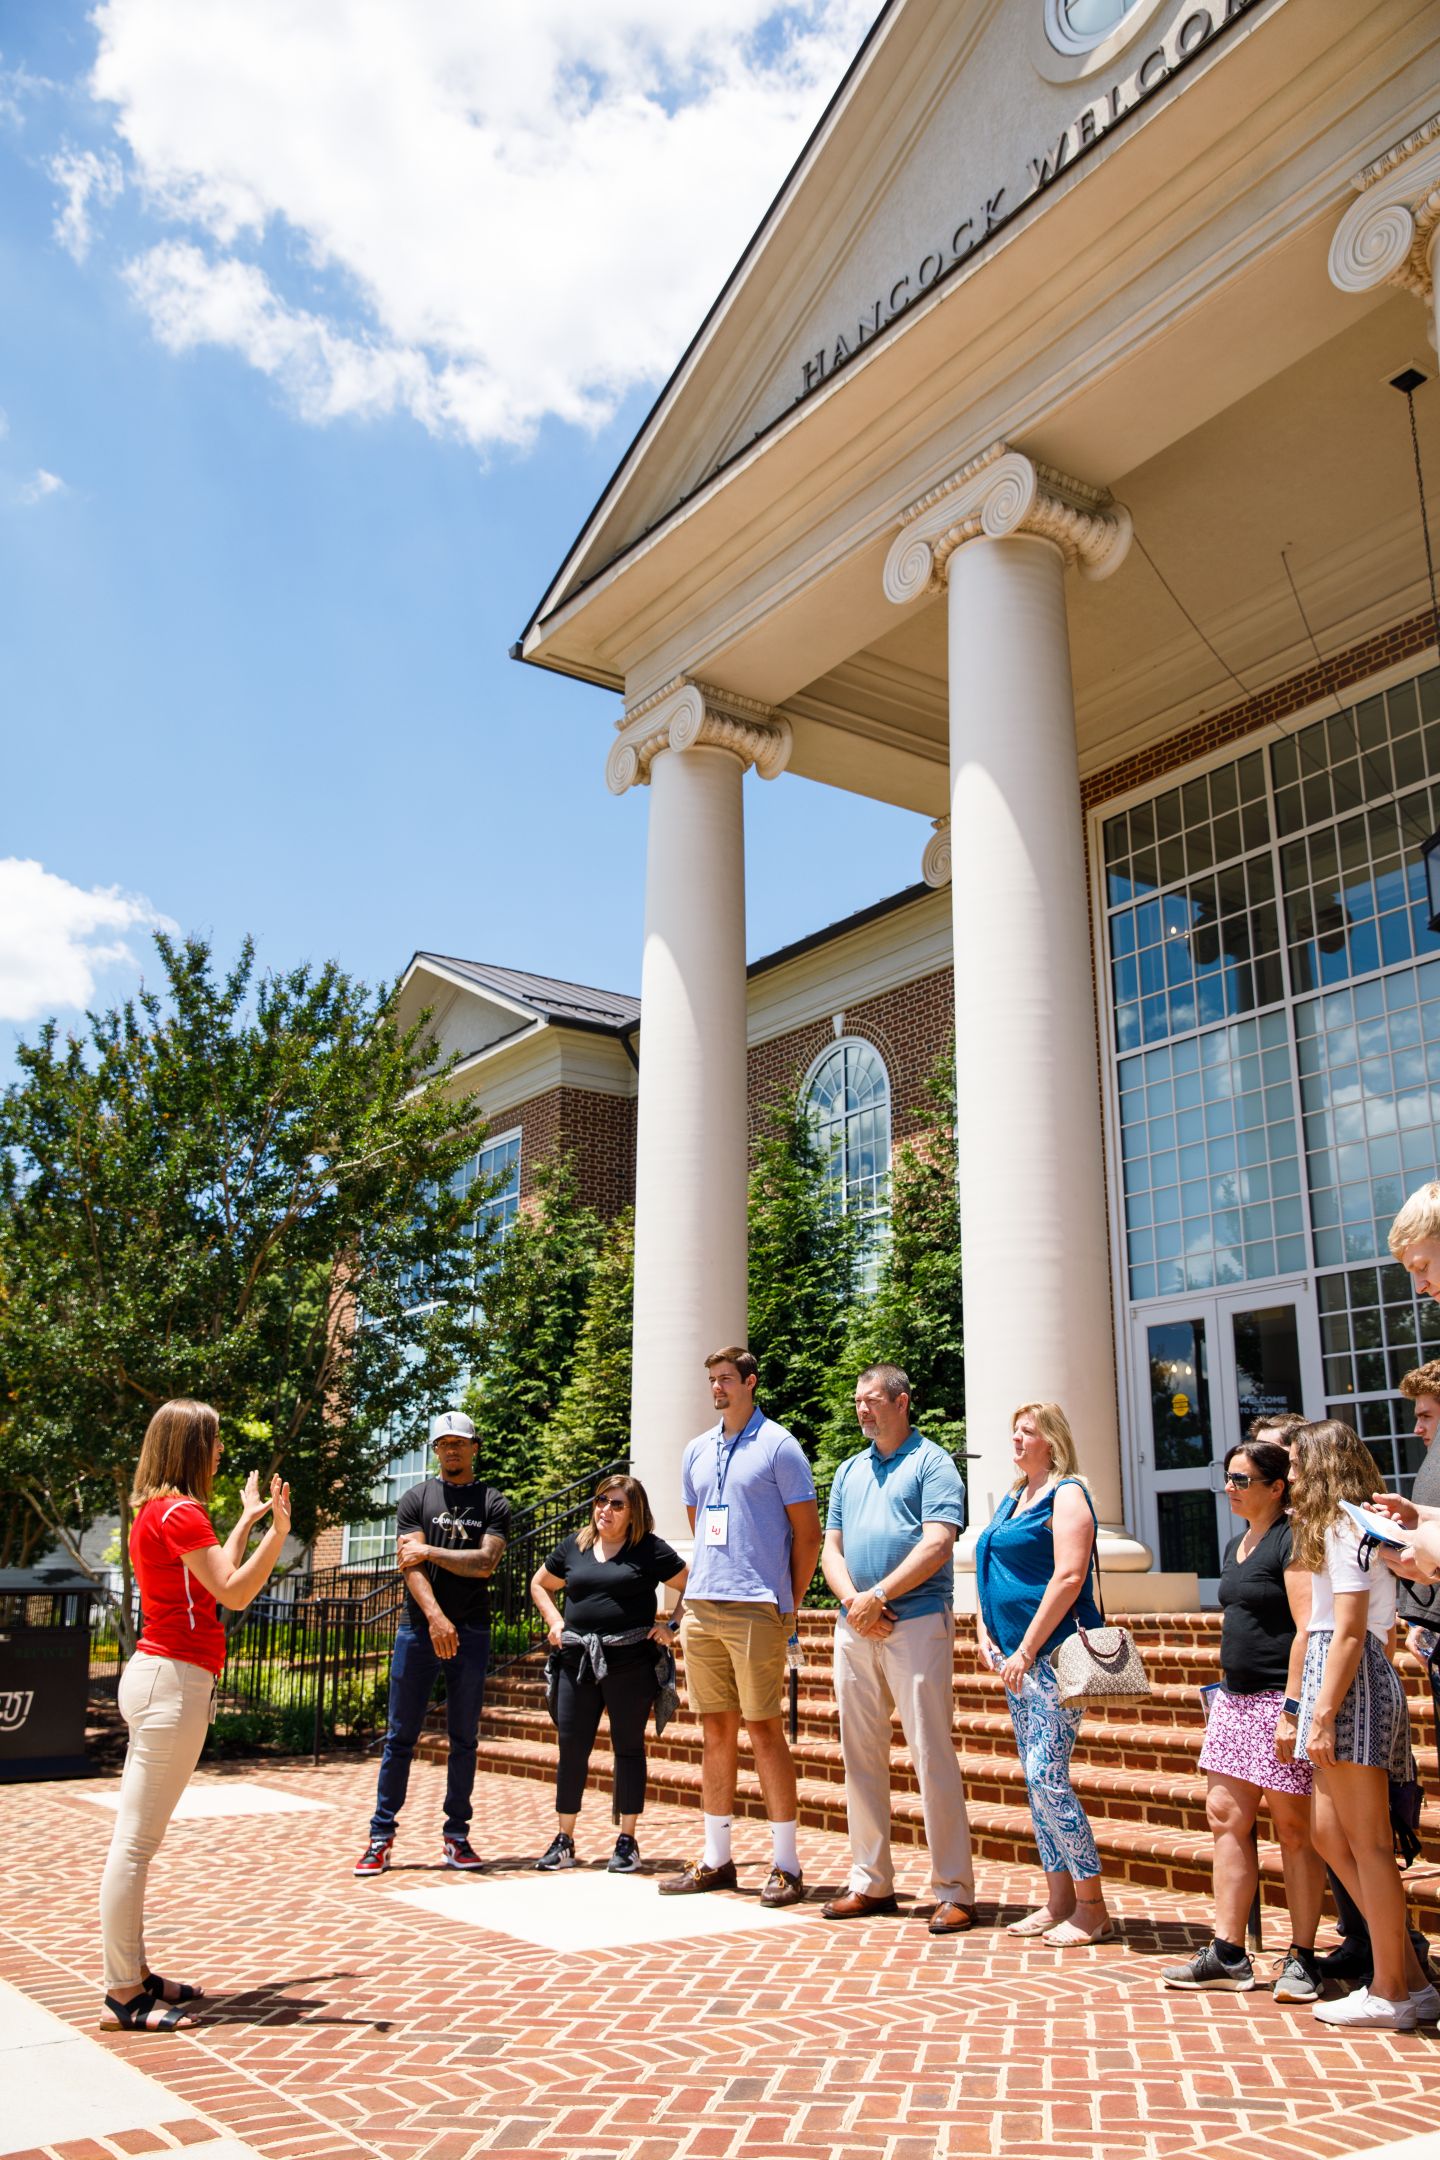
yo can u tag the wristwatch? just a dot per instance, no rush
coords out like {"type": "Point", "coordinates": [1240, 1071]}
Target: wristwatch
{"type": "Point", "coordinates": [1290, 1708]}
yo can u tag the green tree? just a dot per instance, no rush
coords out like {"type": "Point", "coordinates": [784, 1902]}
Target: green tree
{"type": "Point", "coordinates": [248, 1188]}
{"type": "Point", "coordinates": [913, 1317]}
{"type": "Point", "coordinates": [803, 1269]}
{"type": "Point", "coordinates": [591, 1427]}
{"type": "Point", "coordinates": [533, 1302]}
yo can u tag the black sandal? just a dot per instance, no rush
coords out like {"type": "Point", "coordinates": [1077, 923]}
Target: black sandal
{"type": "Point", "coordinates": [134, 2016]}
{"type": "Point", "coordinates": [155, 1984]}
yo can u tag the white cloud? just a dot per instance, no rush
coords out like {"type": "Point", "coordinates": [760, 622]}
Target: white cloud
{"type": "Point", "coordinates": [84, 176]}
{"type": "Point", "coordinates": [481, 216]}
{"type": "Point", "coordinates": [55, 938]}
{"type": "Point", "coordinates": [35, 490]}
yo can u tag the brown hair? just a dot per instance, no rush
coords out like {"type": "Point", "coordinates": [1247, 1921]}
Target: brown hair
{"type": "Point", "coordinates": [1328, 1463]}
{"type": "Point", "coordinates": [642, 1522]}
{"type": "Point", "coordinates": [1283, 1423]}
{"type": "Point", "coordinates": [743, 1361]}
{"type": "Point", "coordinates": [177, 1454]}
{"type": "Point", "coordinates": [1424, 1380]}
{"type": "Point", "coordinates": [1055, 1426]}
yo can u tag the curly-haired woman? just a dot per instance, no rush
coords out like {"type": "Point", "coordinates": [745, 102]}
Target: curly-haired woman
{"type": "Point", "coordinates": [1353, 1726]}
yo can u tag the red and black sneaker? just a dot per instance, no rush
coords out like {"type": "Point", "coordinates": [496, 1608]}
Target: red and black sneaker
{"type": "Point", "coordinates": [376, 1857]}
{"type": "Point", "coordinates": [460, 1853]}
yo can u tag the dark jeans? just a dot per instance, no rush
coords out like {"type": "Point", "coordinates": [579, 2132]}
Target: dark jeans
{"type": "Point", "coordinates": [412, 1683]}
{"type": "Point", "coordinates": [626, 1692]}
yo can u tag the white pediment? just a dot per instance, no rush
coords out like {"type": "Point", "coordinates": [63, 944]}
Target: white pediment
{"type": "Point", "coordinates": [464, 1018]}
{"type": "Point", "coordinates": [958, 125]}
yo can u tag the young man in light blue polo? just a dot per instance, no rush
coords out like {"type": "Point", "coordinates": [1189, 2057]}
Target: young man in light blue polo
{"type": "Point", "coordinates": [751, 1502]}
{"type": "Point", "coordinates": [895, 1512]}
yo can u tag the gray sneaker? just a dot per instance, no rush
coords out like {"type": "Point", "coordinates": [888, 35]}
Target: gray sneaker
{"type": "Point", "coordinates": [1207, 1969]}
{"type": "Point", "coordinates": [1298, 1980]}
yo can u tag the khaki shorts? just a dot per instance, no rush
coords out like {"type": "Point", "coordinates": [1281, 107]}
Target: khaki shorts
{"type": "Point", "coordinates": [735, 1657]}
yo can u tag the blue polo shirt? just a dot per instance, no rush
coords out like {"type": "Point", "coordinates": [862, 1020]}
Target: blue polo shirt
{"type": "Point", "coordinates": [880, 1503]}
{"type": "Point", "coordinates": [756, 1476]}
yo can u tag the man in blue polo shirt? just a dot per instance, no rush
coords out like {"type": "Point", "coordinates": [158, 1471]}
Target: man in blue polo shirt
{"type": "Point", "coordinates": [896, 1510]}
{"type": "Point", "coordinates": [751, 1502]}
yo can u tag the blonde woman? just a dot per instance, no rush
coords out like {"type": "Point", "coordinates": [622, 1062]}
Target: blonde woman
{"type": "Point", "coordinates": [167, 1691]}
{"type": "Point", "coordinates": [1032, 1574]}
{"type": "Point", "coordinates": [1353, 1727]}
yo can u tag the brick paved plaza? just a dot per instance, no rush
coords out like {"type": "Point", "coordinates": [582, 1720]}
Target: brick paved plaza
{"type": "Point", "coordinates": [348, 2020]}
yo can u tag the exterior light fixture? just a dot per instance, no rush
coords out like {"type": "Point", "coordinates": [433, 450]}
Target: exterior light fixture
{"type": "Point", "coordinates": [1430, 856]}
{"type": "Point", "coordinates": [1407, 382]}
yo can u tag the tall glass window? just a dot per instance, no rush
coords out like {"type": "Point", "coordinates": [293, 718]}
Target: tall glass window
{"type": "Point", "coordinates": [848, 1096]}
{"type": "Point", "coordinates": [1267, 922]}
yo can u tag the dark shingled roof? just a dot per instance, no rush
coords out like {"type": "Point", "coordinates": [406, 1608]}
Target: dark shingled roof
{"type": "Point", "coordinates": [576, 1004]}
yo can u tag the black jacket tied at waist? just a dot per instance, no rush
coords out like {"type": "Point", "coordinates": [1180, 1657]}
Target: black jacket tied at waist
{"type": "Point", "coordinates": [592, 1650]}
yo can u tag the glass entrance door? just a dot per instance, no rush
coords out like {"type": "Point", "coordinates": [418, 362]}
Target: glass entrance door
{"type": "Point", "coordinates": [1206, 1368]}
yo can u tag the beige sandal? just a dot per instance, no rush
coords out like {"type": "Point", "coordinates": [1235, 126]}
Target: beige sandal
{"type": "Point", "coordinates": [1039, 1922]}
{"type": "Point", "coordinates": [1070, 1937]}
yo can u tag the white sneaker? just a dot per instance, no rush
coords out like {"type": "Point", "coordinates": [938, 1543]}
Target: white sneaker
{"type": "Point", "coordinates": [1365, 2012]}
{"type": "Point", "coordinates": [1425, 2002]}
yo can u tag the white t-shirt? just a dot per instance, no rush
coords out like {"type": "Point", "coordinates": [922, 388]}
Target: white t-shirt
{"type": "Point", "coordinates": [1343, 1572]}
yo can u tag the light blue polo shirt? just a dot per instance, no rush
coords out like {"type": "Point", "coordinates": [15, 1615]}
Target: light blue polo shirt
{"type": "Point", "coordinates": [880, 1504]}
{"type": "Point", "coordinates": [757, 1476]}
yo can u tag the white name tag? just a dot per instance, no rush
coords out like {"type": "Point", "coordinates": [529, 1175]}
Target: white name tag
{"type": "Point", "coordinates": [717, 1526]}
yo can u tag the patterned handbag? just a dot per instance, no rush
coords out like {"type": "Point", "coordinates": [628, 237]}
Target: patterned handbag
{"type": "Point", "coordinates": [1099, 1665]}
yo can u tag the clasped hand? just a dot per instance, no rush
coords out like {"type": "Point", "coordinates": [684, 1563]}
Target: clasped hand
{"type": "Point", "coordinates": [868, 1615]}
{"type": "Point", "coordinates": [411, 1551]}
{"type": "Point", "coordinates": [253, 1505]}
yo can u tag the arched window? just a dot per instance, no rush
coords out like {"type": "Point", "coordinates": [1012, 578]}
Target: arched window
{"type": "Point", "coordinates": [848, 1096]}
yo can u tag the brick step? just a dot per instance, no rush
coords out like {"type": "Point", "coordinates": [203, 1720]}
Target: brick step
{"type": "Point", "coordinates": [1149, 1854]}
{"type": "Point", "coordinates": [1143, 1791]}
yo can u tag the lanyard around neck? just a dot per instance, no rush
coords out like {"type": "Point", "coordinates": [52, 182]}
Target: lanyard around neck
{"type": "Point", "coordinates": [723, 1453]}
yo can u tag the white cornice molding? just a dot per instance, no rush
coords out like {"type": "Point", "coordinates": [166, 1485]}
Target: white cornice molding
{"type": "Point", "coordinates": [685, 715]}
{"type": "Point", "coordinates": [998, 494]}
{"type": "Point", "coordinates": [1387, 236]}
{"type": "Point", "coordinates": [935, 862]}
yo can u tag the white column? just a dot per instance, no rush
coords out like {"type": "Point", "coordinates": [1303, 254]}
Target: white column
{"type": "Point", "coordinates": [1038, 1318]}
{"type": "Point", "coordinates": [1391, 234]}
{"type": "Point", "coordinates": [691, 1142]}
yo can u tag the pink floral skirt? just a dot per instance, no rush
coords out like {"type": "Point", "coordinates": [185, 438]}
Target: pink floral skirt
{"type": "Point", "coordinates": [1240, 1743]}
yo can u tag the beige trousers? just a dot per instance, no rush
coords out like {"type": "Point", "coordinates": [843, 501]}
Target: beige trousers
{"type": "Point", "coordinates": [167, 1707]}
{"type": "Point", "coordinates": [911, 1672]}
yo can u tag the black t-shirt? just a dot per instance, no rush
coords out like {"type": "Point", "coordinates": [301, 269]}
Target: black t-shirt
{"type": "Point", "coordinates": [1257, 1631]}
{"type": "Point", "coordinates": [453, 1516]}
{"type": "Point", "coordinates": [609, 1597]}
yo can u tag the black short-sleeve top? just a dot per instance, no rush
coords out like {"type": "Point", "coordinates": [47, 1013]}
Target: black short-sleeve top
{"type": "Point", "coordinates": [1257, 1630]}
{"type": "Point", "coordinates": [609, 1597]}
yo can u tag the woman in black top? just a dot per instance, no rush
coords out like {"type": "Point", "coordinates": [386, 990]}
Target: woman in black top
{"type": "Point", "coordinates": [1265, 1602]}
{"type": "Point", "coordinates": [609, 1572]}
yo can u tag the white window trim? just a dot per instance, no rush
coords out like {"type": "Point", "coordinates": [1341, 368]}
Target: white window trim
{"type": "Point", "coordinates": [859, 1042]}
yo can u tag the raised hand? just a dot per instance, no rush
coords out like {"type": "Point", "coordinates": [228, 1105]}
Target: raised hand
{"type": "Point", "coordinates": [252, 1506]}
{"type": "Point", "coordinates": [279, 1505]}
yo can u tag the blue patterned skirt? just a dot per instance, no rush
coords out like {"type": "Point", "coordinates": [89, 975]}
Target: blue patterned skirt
{"type": "Point", "coordinates": [1372, 1725]}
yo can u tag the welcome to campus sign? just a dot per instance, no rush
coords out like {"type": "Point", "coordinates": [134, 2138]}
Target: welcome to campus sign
{"type": "Point", "coordinates": [1191, 31]}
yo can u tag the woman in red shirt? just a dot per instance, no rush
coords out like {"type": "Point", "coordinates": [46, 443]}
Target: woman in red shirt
{"type": "Point", "coordinates": [167, 1691]}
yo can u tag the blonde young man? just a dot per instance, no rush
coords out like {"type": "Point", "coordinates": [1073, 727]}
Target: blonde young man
{"type": "Point", "coordinates": [1415, 1243]}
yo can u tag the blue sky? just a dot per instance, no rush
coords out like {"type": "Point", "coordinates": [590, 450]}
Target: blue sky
{"type": "Point", "coordinates": [281, 477]}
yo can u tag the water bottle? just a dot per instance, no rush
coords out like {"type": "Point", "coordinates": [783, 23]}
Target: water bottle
{"type": "Point", "coordinates": [794, 1657]}
{"type": "Point", "coordinates": [1424, 1642]}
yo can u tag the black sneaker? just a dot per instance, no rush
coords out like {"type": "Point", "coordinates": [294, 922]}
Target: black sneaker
{"type": "Point", "coordinates": [559, 1853]}
{"type": "Point", "coordinates": [376, 1857]}
{"type": "Point", "coordinates": [1350, 1961]}
{"type": "Point", "coordinates": [1299, 1979]}
{"type": "Point", "coordinates": [626, 1857]}
{"type": "Point", "coordinates": [1207, 1969]}
{"type": "Point", "coordinates": [460, 1853]}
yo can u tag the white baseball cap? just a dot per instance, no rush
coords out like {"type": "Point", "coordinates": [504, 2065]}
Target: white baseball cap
{"type": "Point", "coordinates": [451, 1421]}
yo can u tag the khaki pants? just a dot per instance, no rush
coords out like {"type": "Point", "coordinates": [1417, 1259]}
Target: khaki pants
{"type": "Point", "coordinates": [167, 1707]}
{"type": "Point", "coordinates": [911, 1672]}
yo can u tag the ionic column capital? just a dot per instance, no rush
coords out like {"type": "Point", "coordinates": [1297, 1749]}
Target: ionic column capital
{"type": "Point", "coordinates": [1387, 235]}
{"type": "Point", "coordinates": [1000, 493]}
{"type": "Point", "coordinates": [688, 714]}
{"type": "Point", "coordinates": [935, 862]}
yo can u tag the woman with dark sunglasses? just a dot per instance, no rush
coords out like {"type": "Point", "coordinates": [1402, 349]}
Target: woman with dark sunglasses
{"type": "Point", "coordinates": [603, 1655]}
{"type": "Point", "coordinates": [1250, 1735]}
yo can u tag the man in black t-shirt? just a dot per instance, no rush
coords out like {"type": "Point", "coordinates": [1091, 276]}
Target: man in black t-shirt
{"type": "Point", "coordinates": [452, 1532]}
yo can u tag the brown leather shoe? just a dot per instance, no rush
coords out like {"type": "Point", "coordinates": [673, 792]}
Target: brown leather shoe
{"type": "Point", "coordinates": [695, 1877]}
{"type": "Point", "coordinates": [855, 1904]}
{"type": "Point", "coordinates": [783, 1888]}
{"type": "Point", "coordinates": [951, 1919]}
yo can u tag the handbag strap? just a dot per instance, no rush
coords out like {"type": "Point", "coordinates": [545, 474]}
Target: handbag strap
{"type": "Point", "coordinates": [1094, 1568]}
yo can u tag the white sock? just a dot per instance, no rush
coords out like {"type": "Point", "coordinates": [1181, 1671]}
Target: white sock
{"type": "Point", "coordinates": [787, 1855]}
{"type": "Point", "coordinates": [717, 1840]}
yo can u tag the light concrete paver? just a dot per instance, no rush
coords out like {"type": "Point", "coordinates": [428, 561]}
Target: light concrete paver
{"type": "Point", "coordinates": [202, 1803]}
{"type": "Point", "coordinates": [581, 1911]}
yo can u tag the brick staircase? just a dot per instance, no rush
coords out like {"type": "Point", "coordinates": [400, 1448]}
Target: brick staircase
{"type": "Point", "coordinates": [1134, 1765]}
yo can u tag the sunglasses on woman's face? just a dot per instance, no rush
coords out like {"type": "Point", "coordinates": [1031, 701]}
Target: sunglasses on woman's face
{"type": "Point", "coordinates": [1239, 1480]}
{"type": "Point", "coordinates": [614, 1506]}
